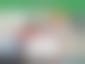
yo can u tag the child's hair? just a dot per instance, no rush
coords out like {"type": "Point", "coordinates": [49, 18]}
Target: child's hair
{"type": "Point", "coordinates": [54, 14]}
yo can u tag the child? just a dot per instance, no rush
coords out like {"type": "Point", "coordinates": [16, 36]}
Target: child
{"type": "Point", "coordinates": [43, 42]}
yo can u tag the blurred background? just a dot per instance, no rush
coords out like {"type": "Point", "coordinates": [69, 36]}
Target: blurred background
{"type": "Point", "coordinates": [12, 16]}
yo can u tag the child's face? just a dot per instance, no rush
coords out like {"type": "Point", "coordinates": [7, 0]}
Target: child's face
{"type": "Point", "coordinates": [45, 42]}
